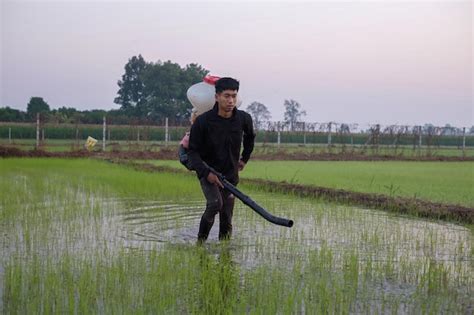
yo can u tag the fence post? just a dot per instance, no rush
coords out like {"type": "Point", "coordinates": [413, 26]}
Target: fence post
{"type": "Point", "coordinates": [304, 133]}
{"type": "Point", "coordinates": [278, 134]}
{"type": "Point", "coordinates": [463, 141]}
{"type": "Point", "coordinates": [166, 132]}
{"type": "Point", "coordinates": [419, 139]}
{"type": "Point", "coordinates": [138, 135]}
{"type": "Point", "coordinates": [104, 128]}
{"type": "Point", "coordinates": [10, 135]}
{"type": "Point", "coordinates": [77, 135]}
{"type": "Point", "coordinates": [329, 134]}
{"type": "Point", "coordinates": [37, 130]}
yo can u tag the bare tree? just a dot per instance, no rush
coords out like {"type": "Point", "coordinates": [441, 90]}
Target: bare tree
{"type": "Point", "coordinates": [293, 113]}
{"type": "Point", "coordinates": [259, 113]}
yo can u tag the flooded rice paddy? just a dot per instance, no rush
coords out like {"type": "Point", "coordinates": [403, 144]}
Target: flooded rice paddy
{"type": "Point", "coordinates": [69, 246]}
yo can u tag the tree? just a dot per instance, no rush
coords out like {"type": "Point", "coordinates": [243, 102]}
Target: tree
{"type": "Point", "coordinates": [94, 116]}
{"type": "Point", "coordinates": [448, 130]}
{"type": "Point", "coordinates": [428, 129]}
{"type": "Point", "coordinates": [36, 105]}
{"type": "Point", "coordinates": [130, 94]}
{"type": "Point", "coordinates": [259, 113]}
{"type": "Point", "coordinates": [293, 113]}
{"type": "Point", "coordinates": [10, 114]}
{"type": "Point", "coordinates": [117, 117]}
{"type": "Point", "coordinates": [345, 128]}
{"type": "Point", "coordinates": [62, 115]}
{"type": "Point", "coordinates": [154, 91]}
{"type": "Point", "coordinates": [166, 85]}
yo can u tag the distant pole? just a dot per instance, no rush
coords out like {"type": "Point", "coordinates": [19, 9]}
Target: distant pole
{"type": "Point", "coordinates": [419, 137]}
{"type": "Point", "coordinates": [138, 135]}
{"type": "Point", "coordinates": [108, 131]}
{"type": "Point", "coordinates": [104, 128]}
{"type": "Point", "coordinates": [304, 133]}
{"type": "Point", "coordinates": [77, 135]}
{"type": "Point", "coordinates": [42, 134]}
{"type": "Point", "coordinates": [329, 134]}
{"type": "Point", "coordinates": [166, 131]}
{"type": "Point", "coordinates": [9, 135]}
{"type": "Point", "coordinates": [278, 133]}
{"type": "Point", "coordinates": [463, 140]}
{"type": "Point", "coordinates": [37, 130]}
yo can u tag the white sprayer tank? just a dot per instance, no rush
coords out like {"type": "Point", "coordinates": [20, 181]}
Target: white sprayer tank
{"type": "Point", "coordinates": [202, 95]}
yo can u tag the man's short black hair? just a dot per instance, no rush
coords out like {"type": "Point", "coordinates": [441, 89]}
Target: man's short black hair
{"type": "Point", "coordinates": [227, 84]}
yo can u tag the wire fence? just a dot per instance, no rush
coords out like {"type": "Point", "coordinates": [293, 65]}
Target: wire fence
{"type": "Point", "coordinates": [369, 134]}
{"type": "Point", "coordinates": [373, 136]}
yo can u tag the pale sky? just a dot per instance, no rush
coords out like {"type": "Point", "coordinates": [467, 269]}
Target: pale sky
{"type": "Point", "coordinates": [388, 62]}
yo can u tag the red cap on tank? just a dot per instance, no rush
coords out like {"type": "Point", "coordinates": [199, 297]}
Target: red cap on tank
{"type": "Point", "coordinates": [211, 79]}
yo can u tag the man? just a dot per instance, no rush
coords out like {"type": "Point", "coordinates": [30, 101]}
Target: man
{"type": "Point", "coordinates": [216, 138]}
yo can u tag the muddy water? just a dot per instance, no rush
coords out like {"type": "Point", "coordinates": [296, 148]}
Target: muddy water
{"type": "Point", "coordinates": [148, 224]}
{"type": "Point", "coordinates": [160, 222]}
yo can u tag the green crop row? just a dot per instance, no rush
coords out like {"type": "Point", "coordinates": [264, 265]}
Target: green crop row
{"type": "Point", "coordinates": [25, 131]}
{"type": "Point", "coordinates": [82, 132]}
{"type": "Point", "coordinates": [360, 139]}
{"type": "Point", "coordinates": [448, 182]}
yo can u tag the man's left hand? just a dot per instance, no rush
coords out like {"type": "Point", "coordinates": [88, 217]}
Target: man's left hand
{"type": "Point", "coordinates": [241, 165]}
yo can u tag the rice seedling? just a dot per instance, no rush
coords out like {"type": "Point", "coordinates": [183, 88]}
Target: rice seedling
{"type": "Point", "coordinates": [83, 236]}
{"type": "Point", "coordinates": [446, 182]}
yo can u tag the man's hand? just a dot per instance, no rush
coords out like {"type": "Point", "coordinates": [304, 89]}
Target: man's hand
{"type": "Point", "coordinates": [213, 179]}
{"type": "Point", "coordinates": [241, 165]}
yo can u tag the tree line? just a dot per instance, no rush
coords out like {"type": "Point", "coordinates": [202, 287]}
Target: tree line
{"type": "Point", "coordinates": [148, 92]}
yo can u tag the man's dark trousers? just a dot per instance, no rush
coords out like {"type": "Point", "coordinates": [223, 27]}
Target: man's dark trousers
{"type": "Point", "coordinates": [219, 201]}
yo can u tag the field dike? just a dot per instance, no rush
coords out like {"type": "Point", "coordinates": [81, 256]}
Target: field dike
{"type": "Point", "coordinates": [411, 206]}
{"type": "Point", "coordinates": [169, 153]}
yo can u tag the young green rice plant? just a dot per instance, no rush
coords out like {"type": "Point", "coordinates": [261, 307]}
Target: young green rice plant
{"type": "Point", "coordinates": [445, 182]}
{"type": "Point", "coordinates": [92, 237]}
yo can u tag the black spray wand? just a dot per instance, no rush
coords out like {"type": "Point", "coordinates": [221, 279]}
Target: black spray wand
{"type": "Point", "coordinates": [249, 202]}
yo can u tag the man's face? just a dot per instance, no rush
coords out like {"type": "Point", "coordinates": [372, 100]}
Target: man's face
{"type": "Point", "coordinates": [227, 100]}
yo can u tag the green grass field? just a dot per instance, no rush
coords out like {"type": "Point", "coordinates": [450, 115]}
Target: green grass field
{"type": "Point", "coordinates": [87, 236]}
{"type": "Point", "coordinates": [404, 150]}
{"type": "Point", "coordinates": [57, 145]}
{"type": "Point", "coordinates": [446, 182]}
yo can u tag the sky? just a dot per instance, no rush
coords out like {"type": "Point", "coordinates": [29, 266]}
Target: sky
{"type": "Point", "coordinates": [387, 62]}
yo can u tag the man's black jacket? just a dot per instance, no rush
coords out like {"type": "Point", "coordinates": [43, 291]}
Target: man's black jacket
{"type": "Point", "coordinates": [217, 141]}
